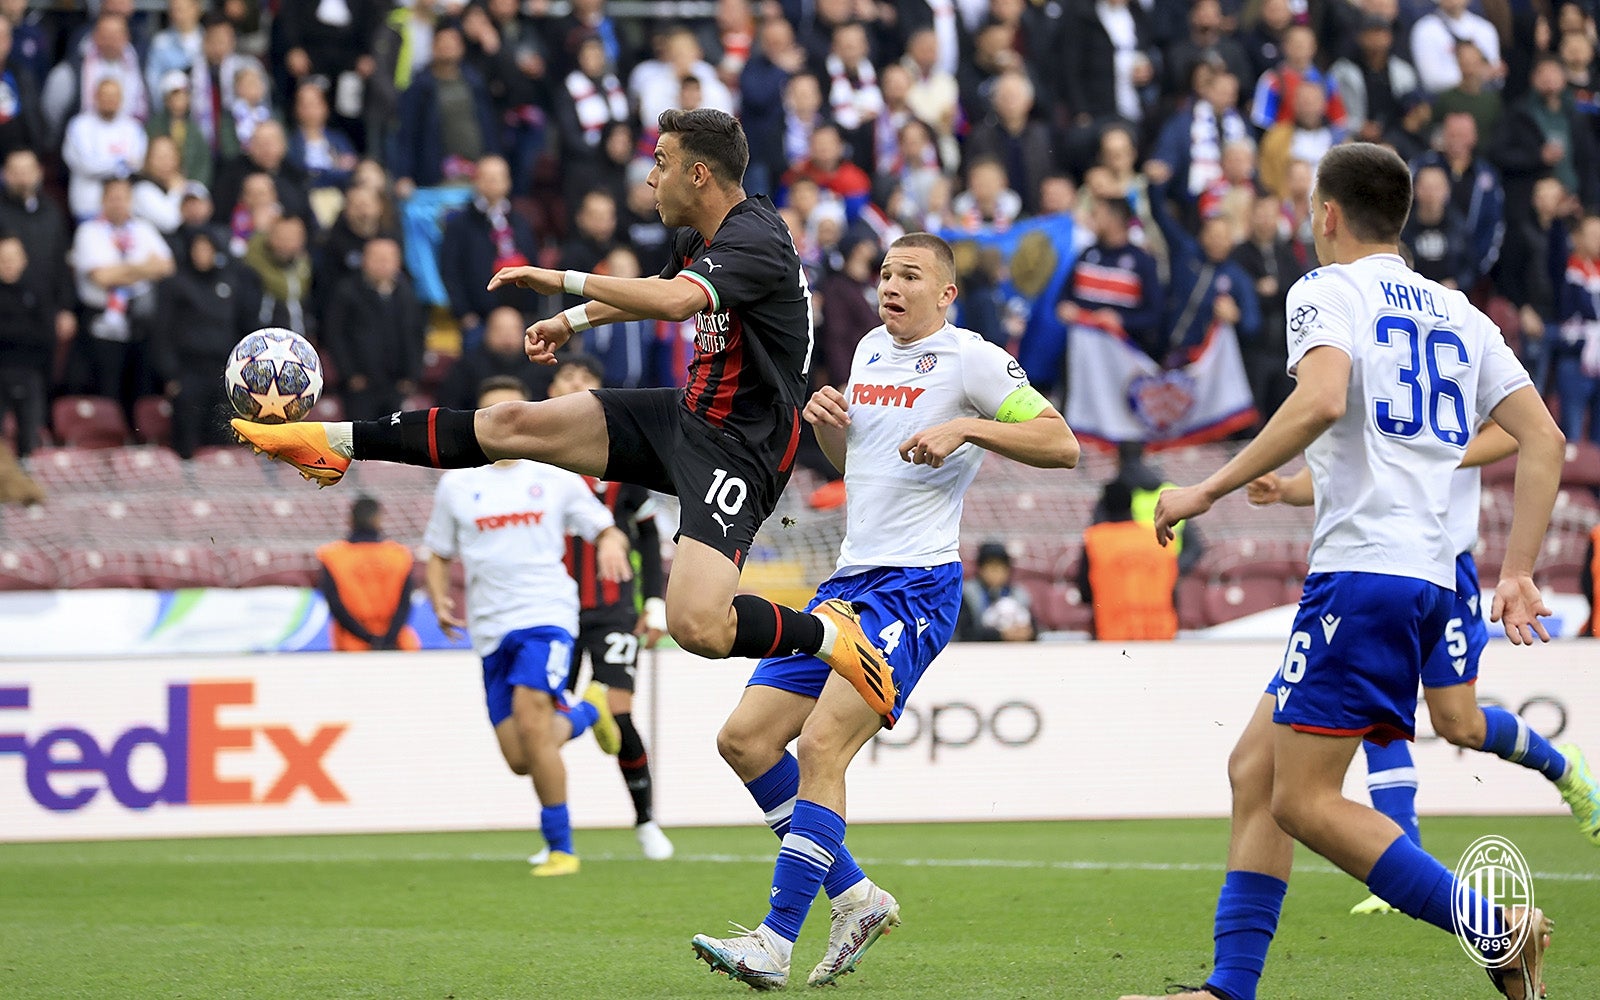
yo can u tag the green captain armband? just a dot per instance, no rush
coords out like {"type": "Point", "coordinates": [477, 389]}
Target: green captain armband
{"type": "Point", "coordinates": [1024, 403]}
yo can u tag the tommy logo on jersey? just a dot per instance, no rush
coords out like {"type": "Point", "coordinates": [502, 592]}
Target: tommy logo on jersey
{"type": "Point", "coordinates": [885, 395]}
{"type": "Point", "coordinates": [495, 522]}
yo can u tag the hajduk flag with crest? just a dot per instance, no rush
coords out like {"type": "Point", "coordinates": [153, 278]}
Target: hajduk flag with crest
{"type": "Point", "coordinates": [1117, 393]}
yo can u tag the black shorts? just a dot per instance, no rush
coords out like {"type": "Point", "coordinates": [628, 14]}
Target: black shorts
{"type": "Point", "coordinates": [612, 647]}
{"type": "Point", "coordinates": [725, 485]}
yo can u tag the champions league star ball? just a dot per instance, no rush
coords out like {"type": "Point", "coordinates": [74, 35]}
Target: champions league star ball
{"type": "Point", "coordinates": [273, 376]}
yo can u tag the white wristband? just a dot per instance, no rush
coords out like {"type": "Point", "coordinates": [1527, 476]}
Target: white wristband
{"type": "Point", "coordinates": [655, 614]}
{"type": "Point", "coordinates": [578, 316]}
{"type": "Point", "coordinates": [573, 281]}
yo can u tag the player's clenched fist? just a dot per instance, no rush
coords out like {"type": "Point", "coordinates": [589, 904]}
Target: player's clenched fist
{"type": "Point", "coordinates": [828, 406]}
{"type": "Point", "coordinates": [540, 279]}
{"type": "Point", "coordinates": [545, 338]}
{"type": "Point", "coordinates": [932, 446]}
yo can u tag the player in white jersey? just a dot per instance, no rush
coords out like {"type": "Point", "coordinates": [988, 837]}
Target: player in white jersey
{"type": "Point", "coordinates": [1393, 373]}
{"type": "Point", "coordinates": [909, 429]}
{"type": "Point", "coordinates": [1450, 674]}
{"type": "Point", "coordinates": [508, 524]}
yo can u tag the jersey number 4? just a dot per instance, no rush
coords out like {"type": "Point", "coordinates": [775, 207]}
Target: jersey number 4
{"type": "Point", "coordinates": [1430, 394]}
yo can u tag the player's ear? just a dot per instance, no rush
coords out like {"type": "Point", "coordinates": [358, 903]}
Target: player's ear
{"type": "Point", "coordinates": [947, 295]}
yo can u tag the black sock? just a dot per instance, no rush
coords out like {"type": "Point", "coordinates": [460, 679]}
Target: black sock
{"type": "Point", "coordinates": [437, 438]}
{"type": "Point", "coordinates": [635, 766]}
{"type": "Point", "coordinates": [768, 629]}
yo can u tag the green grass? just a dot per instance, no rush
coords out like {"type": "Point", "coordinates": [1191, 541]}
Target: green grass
{"type": "Point", "coordinates": [1066, 910]}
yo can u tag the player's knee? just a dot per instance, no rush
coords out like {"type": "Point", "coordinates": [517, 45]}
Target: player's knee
{"type": "Point", "coordinates": [738, 744]}
{"type": "Point", "coordinates": [818, 751]}
{"type": "Point", "coordinates": [503, 423]}
{"type": "Point", "coordinates": [1295, 812]}
{"type": "Point", "coordinates": [1249, 768]}
{"type": "Point", "coordinates": [1465, 731]}
{"type": "Point", "coordinates": [518, 765]}
{"type": "Point", "coordinates": [702, 635]}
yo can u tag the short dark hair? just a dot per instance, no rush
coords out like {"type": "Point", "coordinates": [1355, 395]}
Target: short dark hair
{"type": "Point", "coordinates": [1120, 207]}
{"type": "Point", "coordinates": [712, 137]}
{"type": "Point", "coordinates": [587, 362]}
{"type": "Point", "coordinates": [502, 383]}
{"type": "Point", "coordinates": [1372, 186]}
{"type": "Point", "coordinates": [936, 245]}
{"type": "Point", "coordinates": [364, 513]}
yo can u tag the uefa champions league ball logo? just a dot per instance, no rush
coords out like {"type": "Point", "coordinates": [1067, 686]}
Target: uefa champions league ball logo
{"type": "Point", "coordinates": [1496, 871]}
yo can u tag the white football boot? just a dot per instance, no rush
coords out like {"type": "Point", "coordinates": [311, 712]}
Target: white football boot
{"type": "Point", "coordinates": [653, 842]}
{"type": "Point", "coordinates": [749, 958]}
{"type": "Point", "coordinates": [858, 920]}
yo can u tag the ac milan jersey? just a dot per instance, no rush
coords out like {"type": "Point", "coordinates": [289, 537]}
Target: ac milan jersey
{"type": "Point", "coordinates": [752, 345]}
{"type": "Point", "coordinates": [628, 505]}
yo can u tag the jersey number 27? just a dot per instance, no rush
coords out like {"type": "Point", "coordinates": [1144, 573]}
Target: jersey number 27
{"type": "Point", "coordinates": [1429, 393]}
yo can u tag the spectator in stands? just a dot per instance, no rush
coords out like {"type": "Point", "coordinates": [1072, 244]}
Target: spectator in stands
{"type": "Point", "coordinates": [1372, 80]}
{"type": "Point", "coordinates": [172, 120]}
{"type": "Point", "coordinates": [1268, 260]}
{"type": "Point", "coordinates": [802, 115]}
{"type": "Point", "coordinates": [1306, 138]}
{"type": "Point", "coordinates": [987, 203]}
{"type": "Point", "coordinates": [1024, 146]}
{"type": "Point", "coordinates": [26, 212]}
{"type": "Point", "coordinates": [281, 259]}
{"type": "Point", "coordinates": [366, 581]}
{"type": "Point", "coordinates": [1114, 285]}
{"type": "Point", "coordinates": [267, 153]}
{"type": "Point", "coordinates": [106, 53]}
{"type": "Point", "coordinates": [479, 240]}
{"type": "Point", "coordinates": [1434, 38]}
{"type": "Point", "coordinates": [827, 166]}
{"type": "Point", "coordinates": [654, 83]}
{"type": "Point", "coordinates": [1232, 195]}
{"type": "Point", "coordinates": [202, 311]}
{"type": "Point", "coordinates": [641, 225]}
{"type": "Point", "coordinates": [594, 235]}
{"type": "Point", "coordinates": [590, 102]}
{"type": "Point", "coordinates": [1106, 69]}
{"type": "Point", "coordinates": [914, 172]}
{"type": "Point", "coordinates": [849, 309]}
{"type": "Point", "coordinates": [1436, 234]}
{"type": "Point", "coordinates": [631, 353]}
{"type": "Point", "coordinates": [257, 210]}
{"type": "Point", "coordinates": [761, 86]}
{"type": "Point", "coordinates": [158, 188]}
{"type": "Point", "coordinates": [212, 84]}
{"type": "Point", "coordinates": [854, 98]}
{"type": "Point", "coordinates": [1546, 132]}
{"type": "Point", "coordinates": [251, 103]}
{"type": "Point", "coordinates": [21, 116]}
{"type": "Point", "coordinates": [1475, 188]}
{"type": "Point", "coordinates": [500, 354]}
{"type": "Point", "coordinates": [587, 17]}
{"type": "Point", "coordinates": [118, 259]}
{"type": "Point", "coordinates": [1577, 58]}
{"type": "Point", "coordinates": [1476, 94]}
{"type": "Point", "coordinates": [27, 341]}
{"type": "Point", "coordinates": [1276, 101]}
{"type": "Point", "coordinates": [342, 244]}
{"type": "Point", "coordinates": [1128, 578]}
{"type": "Point", "coordinates": [1576, 356]}
{"type": "Point", "coordinates": [1206, 42]}
{"type": "Point", "coordinates": [446, 120]}
{"type": "Point", "coordinates": [176, 48]}
{"type": "Point", "coordinates": [30, 44]}
{"type": "Point", "coordinates": [508, 51]}
{"type": "Point", "coordinates": [194, 215]}
{"type": "Point", "coordinates": [1264, 28]}
{"type": "Point", "coordinates": [1538, 242]}
{"type": "Point", "coordinates": [1412, 135]}
{"type": "Point", "coordinates": [325, 40]}
{"type": "Point", "coordinates": [993, 607]}
{"type": "Point", "coordinates": [325, 156]}
{"type": "Point", "coordinates": [1207, 288]}
{"type": "Point", "coordinates": [100, 144]}
{"type": "Point", "coordinates": [1189, 147]}
{"type": "Point", "coordinates": [935, 95]}
{"type": "Point", "coordinates": [375, 333]}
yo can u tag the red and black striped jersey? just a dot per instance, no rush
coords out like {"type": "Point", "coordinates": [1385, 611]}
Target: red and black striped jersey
{"type": "Point", "coordinates": [753, 340]}
{"type": "Point", "coordinates": [634, 512]}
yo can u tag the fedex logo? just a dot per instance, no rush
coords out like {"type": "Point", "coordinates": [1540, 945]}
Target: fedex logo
{"type": "Point", "coordinates": [66, 767]}
{"type": "Point", "coordinates": [498, 521]}
{"type": "Point", "coordinates": [885, 395]}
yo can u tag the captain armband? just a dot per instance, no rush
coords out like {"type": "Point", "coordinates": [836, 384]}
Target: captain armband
{"type": "Point", "coordinates": [1024, 403]}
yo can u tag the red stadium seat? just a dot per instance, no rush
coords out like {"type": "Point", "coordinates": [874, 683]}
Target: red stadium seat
{"type": "Point", "coordinates": [148, 467]}
{"type": "Point", "coordinates": [69, 470]}
{"type": "Point", "coordinates": [178, 566]}
{"type": "Point", "coordinates": [1192, 602]}
{"type": "Point", "coordinates": [329, 408]}
{"type": "Point", "coordinates": [1561, 563]}
{"type": "Point", "coordinates": [152, 420]}
{"type": "Point", "coordinates": [227, 469]}
{"type": "Point", "coordinates": [260, 566]}
{"type": "Point", "coordinates": [1226, 600]}
{"type": "Point", "coordinates": [89, 422]}
{"type": "Point", "coordinates": [27, 569]}
{"type": "Point", "coordinates": [1583, 465]}
{"type": "Point", "coordinates": [99, 568]}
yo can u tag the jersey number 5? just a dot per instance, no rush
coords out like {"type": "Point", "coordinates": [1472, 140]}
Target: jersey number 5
{"type": "Point", "coordinates": [1430, 394]}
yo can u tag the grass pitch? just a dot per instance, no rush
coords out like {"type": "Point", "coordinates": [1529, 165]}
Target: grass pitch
{"type": "Point", "coordinates": [991, 911]}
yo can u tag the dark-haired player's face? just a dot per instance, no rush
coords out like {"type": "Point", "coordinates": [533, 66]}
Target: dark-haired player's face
{"type": "Point", "coordinates": [671, 179]}
{"type": "Point", "coordinates": [913, 292]}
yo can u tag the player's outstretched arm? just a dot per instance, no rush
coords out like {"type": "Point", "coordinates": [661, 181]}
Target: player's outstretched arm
{"type": "Point", "coordinates": [1541, 449]}
{"type": "Point", "coordinates": [438, 582]}
{"type": "Point", "coordinates": [828, 413]}
{"type": "Point", "coordinates": [642, 298]}
{"type": "Point", "coordinates": [1295, 490]}
{"type": "Point", "coordinates": [1488, 446]}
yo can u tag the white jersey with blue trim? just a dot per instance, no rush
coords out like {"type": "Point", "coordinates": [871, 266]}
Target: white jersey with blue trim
{"type": "Point", "coordinates": [900, 514]}
{"type": "Point", "coordinates": [1426, 369]}
{"type": "Point", "coordinates": [1466, 502]}
{"type": "Point", "coordinates": [508, 524]}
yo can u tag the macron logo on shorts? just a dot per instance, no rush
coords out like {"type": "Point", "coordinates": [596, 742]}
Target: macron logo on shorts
{"type": "Point", "coordinates": [885, 395]}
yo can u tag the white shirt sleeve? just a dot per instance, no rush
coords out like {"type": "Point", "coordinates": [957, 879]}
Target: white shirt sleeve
{"type": "Point", "coordinates": [149, 242]}
{"type": "Point", "coordinates": [440, 535]}
{"type": "Point", "coordinates": [989, 375]}
{"type": "Point", "coordinates": [92, 249]}
{"type": "Point", "coordinates": [1318, 309]}
{"type": "Point", "coordinates": [582, 512]}
{"type": "Point", "coordinates": [1499, 376]}
{"type": "Point", "coordinates": [1433, 53]}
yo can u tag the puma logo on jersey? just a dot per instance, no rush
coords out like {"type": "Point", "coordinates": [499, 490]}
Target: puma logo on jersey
{"type": "Point", "coordinates": [885, 395]}
{"type": "Point", "coordinates": [1283, 695]}
{"type": "Point", "coordinates": [1330, 625]}
{"type": "Point", "coordinates": [498, 521]}
{"type": "Point", "coordinates": [709, 266]}
{"type": "Point", "coordinates": [725, 525]}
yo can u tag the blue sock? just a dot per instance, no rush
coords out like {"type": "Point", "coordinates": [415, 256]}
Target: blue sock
{"type": "Point", "coordinates": [1247, 918]}
{"type": "Point", "coordinates": [814, 837]}
{"type": "Point", "coordinates": [556, 826]}
{"type": "Point", "coordinates": [1508, 736]}
{"type": "Point", "coordinates": [1392, 784]}
{"type": "Point", "coordinates": [1413, 882]}
{"type": "Point", "coordinates": [775, 793]}
{"type": "Point", "coordinates": [581, 714]}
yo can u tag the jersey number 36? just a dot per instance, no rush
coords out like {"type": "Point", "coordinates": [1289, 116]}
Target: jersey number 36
{"type": "Point", "coordinates": [1429, 394]}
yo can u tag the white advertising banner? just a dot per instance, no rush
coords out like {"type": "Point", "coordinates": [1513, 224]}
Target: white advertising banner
{"type": "Point", "coordinates": [314, 743]}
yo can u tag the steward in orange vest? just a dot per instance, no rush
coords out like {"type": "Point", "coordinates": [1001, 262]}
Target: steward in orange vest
{"type": "Point", "coordinates": [1591, 583]}
{"type": "Point", "coordinates": [367, 584]}
{"type": "Point", "coordinates": [1126, 576]}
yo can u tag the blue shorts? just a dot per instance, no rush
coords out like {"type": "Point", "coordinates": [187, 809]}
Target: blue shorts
{"type": "Point", "coordinates": [1455, 660]}
{"type": "Point", "coordinates": [536, 658]}
{"type": "Point", "coordinates": [1356, 655]}
{"type": "Point", "coordinates": [909, 613]}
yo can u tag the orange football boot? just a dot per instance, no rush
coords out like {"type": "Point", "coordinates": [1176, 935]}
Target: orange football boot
{"type": "Point", "coordinates": [303, 445]}
{"type": "Point", "coordinates": [856, 659]}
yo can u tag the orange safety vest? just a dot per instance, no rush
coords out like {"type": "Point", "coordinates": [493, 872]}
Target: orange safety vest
{"type": "Point", "coordinates": [368, 577]}
{"type": "Point", "coordinates": [1594, 584]}
{"type": "Point", "coordinates": [1132, 577]}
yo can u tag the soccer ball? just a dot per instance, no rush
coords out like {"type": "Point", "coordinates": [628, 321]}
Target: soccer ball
{"type": "Point", "coordinates": [273, 376]}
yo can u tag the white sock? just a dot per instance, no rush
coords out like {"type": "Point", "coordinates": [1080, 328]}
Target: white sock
{"type": "Point", "coordinates": [854, 896]}
{"type": "Point", "coordinates": [341, 438]}
{"type": "Point", "coordinates": [780, 945]}
{"type": "Point", "coordinates": [830, 634]}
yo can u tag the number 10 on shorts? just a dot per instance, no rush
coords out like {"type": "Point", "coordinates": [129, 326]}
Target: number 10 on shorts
{"type": "Point", "coordinates": [727, 492]}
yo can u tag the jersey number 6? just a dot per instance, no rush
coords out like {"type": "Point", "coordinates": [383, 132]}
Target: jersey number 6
{"type": "Point", "coordinates": [1431, 385]}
